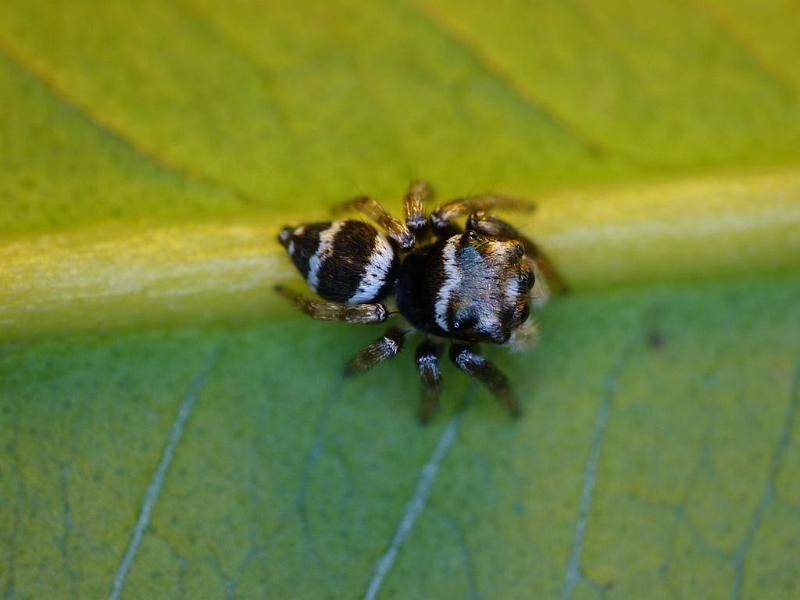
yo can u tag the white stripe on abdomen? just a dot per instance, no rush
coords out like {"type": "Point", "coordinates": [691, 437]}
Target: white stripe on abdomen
{"type": "Point", "coordinates": [380, 263]}
{"type": "Point", "coordinates": [323, 253]}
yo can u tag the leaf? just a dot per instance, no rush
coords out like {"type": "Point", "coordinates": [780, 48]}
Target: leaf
{"type": "Point", "coordinates": [664, 420]}
{"type": "Point", "coordinates": [150, 152]}
{"type": "Point", "coordinates": [157, 143]}
{"type": "Point", "coordinates": [231, 117]}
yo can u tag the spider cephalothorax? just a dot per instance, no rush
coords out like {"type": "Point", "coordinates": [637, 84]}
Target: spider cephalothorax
{"type": "Point", "coordinates": [470, 286]}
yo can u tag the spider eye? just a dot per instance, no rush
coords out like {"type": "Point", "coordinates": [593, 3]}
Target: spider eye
{"type": "Point", "coordinates": [526, 277]}
{"type": "Point", "coordinates": [473, 235]}
{"type": "Point", "coordinates": [525, 314]}
{"type": "Point", "coordinates": [464, 322]}
{"type": "Point", "coordinates": [526, 280]}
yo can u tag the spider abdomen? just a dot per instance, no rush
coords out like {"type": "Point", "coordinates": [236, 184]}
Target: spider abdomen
{"type": "Point", "coordinates": [343, 261]}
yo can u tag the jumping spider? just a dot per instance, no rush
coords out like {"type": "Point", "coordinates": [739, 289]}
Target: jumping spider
{"type": "Point", "coordinates": [472, 285]}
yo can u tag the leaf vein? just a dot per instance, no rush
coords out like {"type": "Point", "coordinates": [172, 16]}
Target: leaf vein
{"type": "Point", "coordinates": [111, 131]}
{"type": "Point", "coordinates": [725, 24]}
{"type": "Point", "coordinates": [20, 499]}
{"type": "Point", "coordinates": [466, 557]}
{"type": "Point", "coordinates": [64, 539]}
{"type": "Point", "coordinates": [768, 494]}
{"type": "Point", "coordinates": [415, 506]}
{"type": "Point", "coordinates": [453, 33]}
{"type": "Point", "coordinates": [157, 481]}
{"type": "Point", "coordinates": [311, 460]}
{"type": "Point", "coordinates": [573, 571]}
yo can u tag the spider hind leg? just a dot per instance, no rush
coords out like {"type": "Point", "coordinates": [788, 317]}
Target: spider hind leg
{"type": "Point", "coordinates": [398, 232]}
{"type": "Point", "coordinates": [335, 311]}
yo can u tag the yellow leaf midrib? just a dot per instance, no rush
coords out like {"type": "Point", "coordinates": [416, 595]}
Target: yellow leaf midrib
{"type": "Point", "coordinates": [123, 274]}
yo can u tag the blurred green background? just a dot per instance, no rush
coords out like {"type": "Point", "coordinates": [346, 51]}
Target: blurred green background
{"type": "Point", "coordinates": [168, 429]}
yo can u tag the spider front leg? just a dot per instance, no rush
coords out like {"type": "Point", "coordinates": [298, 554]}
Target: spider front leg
{"type": "Point", "coordinates": [489, 375]}
{"type": "Point", "coordinates": [334, 311]}
{"type": "Point", "coordinates": [441, 217]}
{"type": "Point", "coordinates": [395, 229]}
{"type": "Point", "coordinates": [385, 347]}
{"type": "Point", "coordinates": [431, 375]}
{"type": "Point", "coordinates": [491, 226]}
{"type": "Point", "coordinates": [414, 205]}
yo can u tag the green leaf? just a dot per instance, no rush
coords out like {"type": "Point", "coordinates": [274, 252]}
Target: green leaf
{"type": "Point", "coordinates": [657, 141]}
{"type": "Point", "coordinates": [664, 421]}
{"type": "Point", "coordinates": [149, 152]}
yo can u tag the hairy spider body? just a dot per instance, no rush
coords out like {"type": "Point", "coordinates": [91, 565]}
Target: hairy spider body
{"type": "Point", "coordinates": [343, 261]}
{"type": "Point", "coordinates": [470, 286]}
{"type": "Point", "coordinates": [466, 287]}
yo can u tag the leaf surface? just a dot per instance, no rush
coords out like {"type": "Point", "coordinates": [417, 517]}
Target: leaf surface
{"type": "Point", "coordinates": [657, 456]}
{"type": "Point", "coordinates": [149, 152]}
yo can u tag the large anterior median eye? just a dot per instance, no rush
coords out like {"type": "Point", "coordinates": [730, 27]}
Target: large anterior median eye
{"type": "Point", "coordinates": [464, 320]}
{"type": "Point", "coordinates": [526, 277]}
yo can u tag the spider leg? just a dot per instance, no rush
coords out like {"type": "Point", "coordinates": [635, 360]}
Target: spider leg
{"type": "Point", "coordinates": [386, 346]}
{"type": "Point", "coordinates": [489, 375]}
{"type": "Point", "coordinates": [491, 226]}
{"type": "Point", "coordinates": [334, 311]}
{"type": "Point", "coordinates": [414, 205]}
{"type": "Point", "coordinates": [497, 228]}
{"type": "Point", "coordinates": [429, 372]}
{"type": "Point", "coordinates": [395, 229]}
{"type": "Point", "coordinates": [442, 216]}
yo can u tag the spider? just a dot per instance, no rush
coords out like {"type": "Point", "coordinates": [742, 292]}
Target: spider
{"type": "Point", "coordinates": [473, 285]}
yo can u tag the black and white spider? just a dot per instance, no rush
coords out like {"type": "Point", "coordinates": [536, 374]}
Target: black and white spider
{"type": "Point", "coordinates": [472, 285]}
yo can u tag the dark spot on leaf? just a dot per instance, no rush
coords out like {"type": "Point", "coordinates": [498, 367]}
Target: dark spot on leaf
{"type": "Point", "coordinates": [656, 340]}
